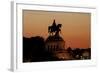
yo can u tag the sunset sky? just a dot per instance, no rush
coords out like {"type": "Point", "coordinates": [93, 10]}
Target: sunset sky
{"type": "Point", "coordinates": [75, 28]}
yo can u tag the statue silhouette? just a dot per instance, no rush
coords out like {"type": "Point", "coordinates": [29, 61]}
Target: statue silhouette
{"type": "Point", "coordinates": [58, 29]}
{"type": "Point", "coordinates": [54, 28]}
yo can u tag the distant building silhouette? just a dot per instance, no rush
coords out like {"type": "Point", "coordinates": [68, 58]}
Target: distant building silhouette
{"type": "Point", "coordinates": [55, 43]}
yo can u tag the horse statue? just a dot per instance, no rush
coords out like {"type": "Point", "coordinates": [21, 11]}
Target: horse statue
{"type": "Point", "coordinates": [58, 29]}
{"type": "Point", "coordinates": [54, 29]}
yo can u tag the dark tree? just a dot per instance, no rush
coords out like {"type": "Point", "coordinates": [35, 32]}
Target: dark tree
{"type": "Point", "coordinates": [34, 50]}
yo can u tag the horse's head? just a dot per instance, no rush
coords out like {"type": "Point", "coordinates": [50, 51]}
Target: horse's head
{"type": "Point", "coordinates": [59, 25]}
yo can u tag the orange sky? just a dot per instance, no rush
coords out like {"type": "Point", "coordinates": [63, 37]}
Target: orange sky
{"type": "Point", "coordinates": [75, 26]}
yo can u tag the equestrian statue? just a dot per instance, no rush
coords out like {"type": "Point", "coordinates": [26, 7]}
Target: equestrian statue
{"type": "Point", "coordinates": [54, 29]}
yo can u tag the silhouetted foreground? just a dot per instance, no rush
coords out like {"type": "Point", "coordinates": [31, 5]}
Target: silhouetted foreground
{"type": "Point", "coordinates": [34, 51]}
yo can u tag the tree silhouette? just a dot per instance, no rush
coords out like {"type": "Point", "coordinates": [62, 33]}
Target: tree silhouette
{"type": "Point", "coordinates": [34, 50]}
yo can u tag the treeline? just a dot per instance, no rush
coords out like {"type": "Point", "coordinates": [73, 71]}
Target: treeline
{"type": "Point", "coordinates": [34, 50]}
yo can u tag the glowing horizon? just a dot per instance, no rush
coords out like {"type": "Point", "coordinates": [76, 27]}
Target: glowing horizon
{"type": "Point", "coordinates": [75, 28]}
